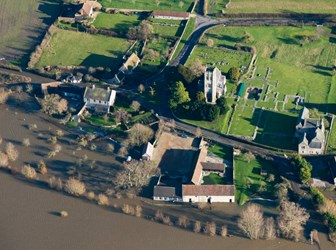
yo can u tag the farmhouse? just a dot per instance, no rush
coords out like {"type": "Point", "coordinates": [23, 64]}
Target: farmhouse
{"type": "Point", "coordinates": [214, 85]}
{"type": "Point", "coordinates": [310, 133]}
{"type": "Point", "coordinates": [170, 15]}
{"type": "Point", "coordinates": [84, 12]}
{"type": "Point", "coordinates": [148, 150]}
{"type": "Point", "coordinates": [208, 193]}
{"type": "Point", "coordinates": [98, 99]}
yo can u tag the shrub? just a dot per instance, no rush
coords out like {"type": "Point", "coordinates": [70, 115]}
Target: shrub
{"type": "Point", "coordinates": [90, 195]}
{"type": "Point", "coordinates": [109, 147]}
{"type": "Point", "coordinates": [64, 214]}
{"type": "Point", "coordinates": [74, 187]}
{"type": "Point", "coordinates": [32, 126]}
{"type": "Point", "coordinates": [103, 200]}
{"type": "Point", "coordinates": [269, 229]}
{"type": "Point", "coordinates": [53, 139]}
{"type": "Point", "coordinates": [251, 221]}
{"type": "Point", "coordinates": [118, 195]}
{"type": "Point", "coordinates": [93, 147]}
{"type": "Point", "coordinates": [4, 161]}
{"type": "Point", "coordinates": [109, 192]}
{"type": "Point", "coordinates": [4, 94]}
{"type": "Point", "coordinates": [28, 172]}
{"type": "Point", "coordinates": [11, 152]}
{"type": "Point", "coordinates": [166, 220]}
{"type": "Point", "coordinates": [57, 148]}
{"type": "Point", "coordinates": [59, 133]}
{"type": "Point", "coordinates": [42, 167]}
{"type": "Point", "coordinates": [126, 209]}
{"type": "Point", "coordinates": [26, 142]}
{"type": "Point", "coordinates": [318, 198]}
{"type": "Point", "coordinates": [210, 228]}
{"type": "Point", "coordinates": [197, 226]}
{"type": "Point", "coordinates": [138, 211]}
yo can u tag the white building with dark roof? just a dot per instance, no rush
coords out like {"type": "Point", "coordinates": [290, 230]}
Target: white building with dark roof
{"type": "Point", "coordinates": [310, 133]}
{"type": "Point", "coordinates": [214, 85]}
{"type": "Point", "coordinates": [99, 99]}
{"type": "Point", "coordinates": [148, 151]}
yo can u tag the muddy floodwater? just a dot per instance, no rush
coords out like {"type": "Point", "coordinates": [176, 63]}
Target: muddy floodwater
{"type": "Point", "coordinates": [28, 220]}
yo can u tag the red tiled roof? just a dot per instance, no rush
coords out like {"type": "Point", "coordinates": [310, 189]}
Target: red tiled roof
{"type": "Point", "coordinates": [86, 9]}
{"type": "Point", "coordinates": [170, 13]}
{"type": "Point", "coordinates": [196, 178]}
{"type": "Point", "coordinates": [207, 190]}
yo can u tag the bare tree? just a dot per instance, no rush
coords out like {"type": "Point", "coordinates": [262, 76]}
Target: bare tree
{"type": "Point", "coordinates": [251, 221]}
{"type": "Point", "coordinates": [197, 68]}
{"type": "Point", "coordinates": [26, 142]}
{"type": "Point", "coordinates": [29, 88]}
{"type": "Point", "coordinates": [109, 147]}
{"type": "Point", "coordinates": [135, 105]}
{"type": "Point", "coordinates": [198, 132]}
{"type": "Point", "coordinates": [54, 104]}
{"type": "Point", "coordinates": [74, 187]}
{"type": "Point", "coordinates": [151, 54]}
{"type": "Point", "coordinates": [269, 229]}
{"type": "Point", "coordinates": [141, 32]}
{"type": "Point", "coordinates": [209, 42]}
{"type": "Point", "coordinates": [141, 88]}
{"type": "Point", "coordinates": [28, 172]}
{"type": "Point", "coordinates": [223, 231]}
{"type": "Point", "coordinates": [249, 157]}
{"type": "Point", "coordinates": [4, 94]}
{"type": "Point", "coordinates": [197, 226]}
{"type": "Point", "coordinates": [291, 220]}
{"type": "Point", "coordinates": [140, 134]}
{"type": "Point", "coordinates": [138, 211]}
{"type": "Point", "coordinates": [11, 152]}
{"type": "Point", "coordinates": [103, 200]}
{"type": "Point", "coordinates": [135, 175]}
{"type": "Point", "coordinates": [123, 151]}
{"type": "Point", "coordinates": [210, 228]}
{"type": "Point", "coordinates": [182, 221]}
{"type": "Point", "coordinates": [122, 116]}
{"type": "Point", "coordinates": [3, 160]}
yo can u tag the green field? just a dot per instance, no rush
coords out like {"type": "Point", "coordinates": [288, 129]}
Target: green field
{"type": "Point", "coordinates": [248, 181]}
{"type": "Point", "coordinates": [118, 23]}
{"type": "Point", "coordinates": [167, 31]}
{"type": "Point", "coordinates": [280, 6]}
{"type": "Point", "coordinates": [100, 121]}
{"type": "Point", "coordinates": [171, 5]}
{"type": "Point", "coordinates": [69, 48]}
{"type": "Point", "coordinates": [225, 153]}
{"type": "Point", "coordinates": [332, 139]}
{"type": "Point", "coordinates": [244, 121]}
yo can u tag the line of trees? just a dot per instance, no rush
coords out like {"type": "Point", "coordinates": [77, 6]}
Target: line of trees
{"type": "Point", "coordinates": [302, 167]}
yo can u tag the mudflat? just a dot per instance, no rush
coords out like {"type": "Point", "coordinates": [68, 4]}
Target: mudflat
{"type": "Point", "coordinates": [28, 221]}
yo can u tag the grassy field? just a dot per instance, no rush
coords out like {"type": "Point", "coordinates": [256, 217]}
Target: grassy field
{"type": "Point", "coordinates": [171, 5]}
{"type": "Point", "coordinates": [244, 121]}
{"type": "Point", "coordinates": [118, 23]}
{"type": "Point", "coordinates": [248, 181]}
{"type": "Point", "coordinates": [22, 23]}
{"type": "Point", "coordinates": [280, 6]}
{"type": "Point", "coordinates": [92, 50]}
{"type": "Point", "coordinates": [213, 179]}
{"type": "Point", "coordinates": [167, 31]}
{"type": "Point", "coordinates": [100, 121]}
{"type": "Point", "coordinates": [332, 139]}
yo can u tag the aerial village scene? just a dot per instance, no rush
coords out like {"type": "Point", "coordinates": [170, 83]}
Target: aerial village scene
{"type": "Point", "coordinates": [167, 124]}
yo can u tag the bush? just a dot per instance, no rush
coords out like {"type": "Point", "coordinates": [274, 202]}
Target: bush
{"type": "Point", "coordinates": [269, 229]}
{"type": "Point", "coordinates": [28, 172]}
{"type": "Point", "coordinates": [42, 167]}
{"type": "Point", "coordinates": [223, 231]}
{"type": "Point", "coordinates": [4, 161]}
{"type": "Point", "coordinates": [251, 221]}
{"type": "Point", "coordinates": [90, 195]}
{"type": "Point", "coordinates": [64, 214]}
{"type": "Point", "coordinates": [26, 142]}
{"type": "Point", "coordinates": [74, 187]}
{"type": "Point", "coordinates": [318, 198]}
{"type": "Point", "coordinates": [126, 209]}
{"type": "Point", "coordinates": [103, 200]}
{"type": "Point", "coordinates": [4, 94]}
{"type": "Point", "coordinates": [138, 211]}
{"type": "Point", "coordinates": [182, 221]}
{"type": "Point", "coordinates": [233, 74]}
{"type": "Point", "coordinates": [55, 183]}
{"type": "Point", "coordinates": [331, 221]}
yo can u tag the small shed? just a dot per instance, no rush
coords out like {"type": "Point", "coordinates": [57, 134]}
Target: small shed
{"type": "Point", "coordinates": [241, 89]}
{"type": "Point", "coordinates": [147, 152]}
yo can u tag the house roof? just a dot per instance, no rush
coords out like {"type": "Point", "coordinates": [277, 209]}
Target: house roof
{"type": "Point", "coordinates": [210, 166]}
{"type": "Point", "coordinates": [132, 61]}
{"type": "Point", "coordinates": [164, 191]}
{"type": "Point", "coordinates": [98, 94]}
{"type": "Point", "coordinates": [86, 9]}
{"type": "Point", "coordinates": [170, 13]}
{"type": "Point", "coordinates": [148, 149]}
{"type": "Point", "coordinates": [196, 177]}
{"type": "Point", "coordinates": [207, 190]}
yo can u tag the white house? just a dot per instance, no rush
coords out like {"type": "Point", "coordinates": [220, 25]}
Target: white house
{"type": "Point", "coordinates": [86, 11]}
{"type": "Point", "coordinates": [99, 99]}
{"type": "Point", "coordinates": [147, 153]}
{"type": "Point", "coordinates": [208, 193]}
{"type": "Point", "coordinates": [170, 15]}
{"type": "Point", "coordinates": [214, 85]}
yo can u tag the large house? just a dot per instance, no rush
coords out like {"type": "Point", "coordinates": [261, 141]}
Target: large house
{"type": "Point", "coordinates": [86, 11]}
{"type": "Point", "coordinates": [126, 68]}
{"type": "Point", "coordinates": [170, 15]}
{"type": "Point", "coordinates": [214, 85]}
{"type": "Point", "coordinates": [310, 133]}
{"type": "Point", "coordinates": [98, 99]}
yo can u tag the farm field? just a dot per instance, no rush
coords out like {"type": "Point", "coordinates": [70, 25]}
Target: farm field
{"type": "Point", "coordinates": [280, 6]}
{"type": "Point", "coordinates": [169, 5]}
{"type": "Point", "coordinates": [22, 25]}
{"type": "Point", "coordinates": [93, 50]}
{"type": "Point", "coordinates": [118, 23]}
{"type": "Point", "coordinates": [249, 182]}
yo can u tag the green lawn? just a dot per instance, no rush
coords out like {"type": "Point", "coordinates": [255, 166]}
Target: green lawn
{"type": "Point", "coordinates": [332, 138]}
{"type": "Point", "coordinates": [167, 31]}
{"type": "Point", "coordinates": [100, 121]}
{"type": "Point", "coordinates": [244, 121]}
{"type": "Point", "coordinates": [170, 5]}
{"type": "Point", "coordinates": [69, 48]}
{"type": "Point", "coordinates": [248, 181]}
{"type": "Point", "coordinates": [280, 6]}
{"type": "Point", "coordinates": [213, 179]}
{"type": "Point", "coordinates": [222, 151]}
{"type": "Point", "coordinates": [118, 23]}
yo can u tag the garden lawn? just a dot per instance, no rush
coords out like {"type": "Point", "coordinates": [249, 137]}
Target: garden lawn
{"type": "Point", "coordinates": [248, 181]}
{"type": "Point", "coordinates": [244, 121]}
{"type": "Point", "coordinates": [189, 29]}
{"type": "Point", "coordinates": [69, 48]}
{"type": "Point", "coordinates": [118, 23]}
{"type": "Point", "coordinates": [166, 31]}
{"type": "Point", "coordinates": [332, 138]}
{"type": "Point", "coordinates": [223, 152]}
{"type": "Point", "coordinates": [213, 179]}
{"type": "Point", "coordinates": [280, 6]}
{"type": "Point", "coordinates": [169, 5]}
{"type": "Point", "coordinates": [99, 121]}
